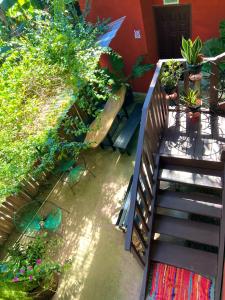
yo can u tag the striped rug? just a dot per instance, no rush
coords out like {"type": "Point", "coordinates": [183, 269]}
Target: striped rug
{"type": "Point", "coordinates": [171, 283]}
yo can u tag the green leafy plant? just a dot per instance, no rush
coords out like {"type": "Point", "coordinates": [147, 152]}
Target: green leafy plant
{"type": "Point", "coordinates": [190, 98]}
{"type": "Point", "coordinates": [214, 47]}
{"type": "Point", "coordinates": [191, 50]}
{"type": "Point", "coordinates": [28, 267]}
{"type": "Point", "coordinates": [52, 67]}
{"type": "Point", "coordinates": [170, 75]}
{"type": "Point", "coordinates": [117, 72]}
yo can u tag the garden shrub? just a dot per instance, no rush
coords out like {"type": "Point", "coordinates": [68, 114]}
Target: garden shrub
{"type": "Point", "coordinates": [52, 66]}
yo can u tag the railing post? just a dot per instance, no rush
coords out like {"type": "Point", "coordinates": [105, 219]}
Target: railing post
{"type": "Point", "coordinates": [214, 79]}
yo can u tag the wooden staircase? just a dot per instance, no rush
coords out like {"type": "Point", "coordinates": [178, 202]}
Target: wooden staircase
{"type": "Point", "coordinates": [177, 203]}
{"type": "Point", "coordinates": [188, 226]}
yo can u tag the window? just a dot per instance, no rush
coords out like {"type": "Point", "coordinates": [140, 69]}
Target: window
{"type": "Point", "coordinates": [170, 2]}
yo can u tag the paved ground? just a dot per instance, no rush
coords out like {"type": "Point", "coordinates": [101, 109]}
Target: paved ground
{"type": "Point", "coordinates": [101, 269]}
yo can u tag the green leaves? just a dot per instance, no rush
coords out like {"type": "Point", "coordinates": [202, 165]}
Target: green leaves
{"type": "Point", "coordinates": [191, 50]}
{"type": "Point", "coordinates": [46, 71]}
{"type": "Point", "coordinates": [118, 74]}
{"type": "Point", "coordinates": [170, 74]}
{"type": "Point", "coordinates": [190, 98]}
{"type": "Point", "coordinates": [139, 68]}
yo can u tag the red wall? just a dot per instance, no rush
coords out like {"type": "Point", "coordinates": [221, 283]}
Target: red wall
{"type": "Point", "coordinates": [206, 16]}
{"type": "Point", "coordinates": [125, 43]}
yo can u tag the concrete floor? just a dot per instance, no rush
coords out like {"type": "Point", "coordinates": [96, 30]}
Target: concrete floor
{"type": "Point", "coordinates": [101, 268]}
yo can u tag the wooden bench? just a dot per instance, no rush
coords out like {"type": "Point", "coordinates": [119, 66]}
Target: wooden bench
{"type": "Point", "coordinates": [127, 132]}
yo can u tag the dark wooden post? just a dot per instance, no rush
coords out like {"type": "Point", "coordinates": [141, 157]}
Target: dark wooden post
{"type": "Point", "coordinates": [213, 92]}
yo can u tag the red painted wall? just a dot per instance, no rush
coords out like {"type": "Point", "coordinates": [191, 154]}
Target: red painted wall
{"type": "Point", "coordinates": [125, 43]}
{"type": "Point", "coordinates": [206, 16]}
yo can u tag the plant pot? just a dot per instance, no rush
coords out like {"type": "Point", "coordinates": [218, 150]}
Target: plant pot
{"type": "Point", "coordinates": [195, 77]}
{"type": "Point", "coordinates": [195, 108]}
{"type": "Point", "coordinates": [194, 69]}
{"type": "Point", "coordinates": [45, 294]}
{"type": "Point", "coordinates": [172, 97]}
{"type": "Point", "coordinates": [193, 116]}
{"type": "Point", "coordinates": [169, 90]}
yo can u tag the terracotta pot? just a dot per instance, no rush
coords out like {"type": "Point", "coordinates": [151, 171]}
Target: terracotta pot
{"type": "Point", "coordinates": [196, 107]}
{"type": "Point", "coordinates": [171, 96]}
{"type": "Point", "coordinates": [193, 111]}
{"type": "Point", "coordinates": [194, 116]}
{"type": "Point", "coordinates": [41, 294]}
{"type": "Point", "coordinates": [195, 77]}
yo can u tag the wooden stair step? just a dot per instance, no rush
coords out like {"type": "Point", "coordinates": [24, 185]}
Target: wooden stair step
{"type": "Point", "coordinates": [198, 261]}
{"type": "Point", "coordinates": [195, 203]}
{"type": "Point", "coordinates": [186, 229]}
{"type": "Point", "coordinates": [189, 176]}
{"type": "Point", "coordinates": [194, 163]}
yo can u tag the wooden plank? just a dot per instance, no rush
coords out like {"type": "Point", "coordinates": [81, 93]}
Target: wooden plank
{"type": "Point", "coordinates": [201, 262]}
{"type": "Point", "coordinates": [101, 125]}
{"type": "Point", "coordinates": [204, 166]}
{"type": "Point", "coordinates": [191, 178]}
{"type": "Point", "coordinates": [189, 230]}
{"type": "Point", "coordinates": [195, 203]}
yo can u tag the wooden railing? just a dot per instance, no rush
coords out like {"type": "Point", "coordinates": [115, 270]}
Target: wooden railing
{"type": "Point", "coordinates": [214, 79]}
{"type": "Point", "coordinates": [153, 121]}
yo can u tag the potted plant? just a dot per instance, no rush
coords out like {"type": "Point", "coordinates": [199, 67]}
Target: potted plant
{"type": "Point", "coordinates": [29, 269]}
{"type": "Point", "coordinates": [169, 77]}
{"type": "Point", "coordinates": [118, 76]}
{"type": "Point", "coordinates": [193, 103]}
{"type": "Point", "coordinates": [191, 51]}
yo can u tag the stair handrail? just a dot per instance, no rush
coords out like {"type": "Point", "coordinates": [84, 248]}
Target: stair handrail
{"type": "Point", "coordinates": [146, 105]}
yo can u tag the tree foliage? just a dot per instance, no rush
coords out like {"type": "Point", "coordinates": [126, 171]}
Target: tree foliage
{"type": "Point", "coordinates": [52, 66]}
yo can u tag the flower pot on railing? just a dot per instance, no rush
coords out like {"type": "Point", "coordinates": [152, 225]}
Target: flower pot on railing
{"type": "Point", "coordinates": [191, 51]}
{"type": "Point", "coordinates": [194, 69]}
{"type": "Point", "coordinates": [193, 112]}
{"type": "Point", "coordinates": [169, 78]}
{"type": "Point", "coordinates": [171, 92]}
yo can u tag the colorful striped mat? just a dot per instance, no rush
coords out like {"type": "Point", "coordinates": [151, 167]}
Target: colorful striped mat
{"type": "Point", "coordinates": [170, 283]}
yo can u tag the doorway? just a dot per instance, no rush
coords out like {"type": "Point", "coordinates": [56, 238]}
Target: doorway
{"type": "Point", "coordinates": [172, 22]}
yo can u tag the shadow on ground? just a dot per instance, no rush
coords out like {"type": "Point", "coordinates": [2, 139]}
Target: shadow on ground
{"type": "Point", "coordinates": [101, 269]}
